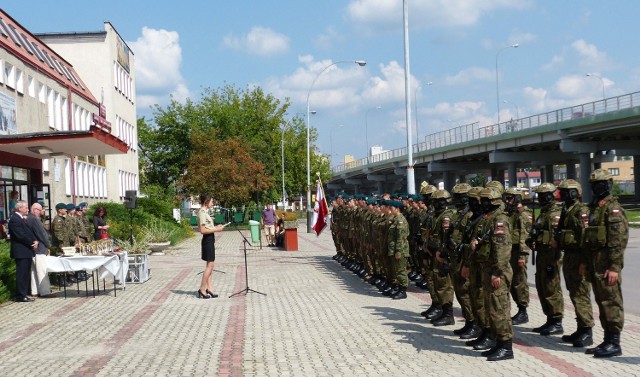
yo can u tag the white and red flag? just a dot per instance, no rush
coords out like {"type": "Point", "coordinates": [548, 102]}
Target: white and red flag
{"type": "Point", "coordinates": [320, 210]}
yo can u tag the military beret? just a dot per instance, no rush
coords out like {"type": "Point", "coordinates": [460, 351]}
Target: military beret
{"type": "Point", "coordinates": [71, 206]}
{"type": "Point", "coordinates": [396, 203]}
{"type": "Point", "coordinates": [372, 201]}
{"type": "Point", "coordinates": [61, 206]}
{"type": "Point", "coordinates": [83, 204]}
{"type": "Point", "coordinates": [78, 208]}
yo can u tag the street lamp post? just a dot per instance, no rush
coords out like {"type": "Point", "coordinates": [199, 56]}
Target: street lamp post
{"type": "Point", "coordinates": [366, 129]}
{"type": "Point", "coordinates": [361, 63]}
{"type": "Point", "coordinates": [497, 85]}
{"type": "Point", "coordinates": [601, 80]}
{"type": "Point", "coordinates": [516, 106]}
{"type": "Point", "coordinates": [331, 144]}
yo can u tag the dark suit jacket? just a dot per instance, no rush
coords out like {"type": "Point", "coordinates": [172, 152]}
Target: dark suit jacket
{"type": "Point", "coordinates": [37, 227]}
{"type": "Point", "coordinates": [21, 238]}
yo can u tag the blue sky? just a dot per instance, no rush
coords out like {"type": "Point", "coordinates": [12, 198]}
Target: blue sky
{"type": "Point", "coordinates": [183, 47]}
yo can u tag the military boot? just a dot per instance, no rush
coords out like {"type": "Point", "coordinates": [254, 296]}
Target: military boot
{"type": "Point", "coordinates": [384, 285]}
{"type": "Point", "coordinates": [591, 351]}
{"type": "Point", "coordinates": [394, 290]}
{"type": "Point", "coordinates": [446, 318]}
{"type": "Point", "coordinates": [423, 285]}
{"type": "Point", "coordinates": [554, 328]}
{"type": "Point", "coordinates": [478, 339]}
{"type": "Point", "coordinates": [521, 316]}
{"type": "Point", "coordinates": [401, 294]}
{"type": "Point", "coordinates": [388, 289]}
{"type": "Point", "coordinates": [473, 332]}
{"type": "Point", "coordinates": [584, 337]}
{"type": "Point", "coordinates": [540, 328]}
{"type": "Point", "coordinates": [485, 343]}
{"type": "Point", "coordinates": [505, 352]}
{"type": "Point", "coordinates": [463, 329]}
{"type": "Point", "coordinates": [418, 277]}
{"type": "Point", "coordinates": [436, 312]}
{"type": "Point", "coordinates": [491, 350]}
{"type": "Point", "coordinates": [412, 275]}
{"type": "Point", "coordinates": [610, 348]}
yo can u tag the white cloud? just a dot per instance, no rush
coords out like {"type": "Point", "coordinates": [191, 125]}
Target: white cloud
{"type": "Point", "coordinates": [390, 86]}
{"type": "Point", "coordinates": [589, 55]}
{"type": "Point", "coordinates": [372, 15]}
{"type": "Point", "coordinates": [471, 74]}
{"type": "Point", "coordinates": [258, 41]}
{"type": "Point", "coordinates": [328, 39]}
{"type": "Point", "coordinates": [157, 67]}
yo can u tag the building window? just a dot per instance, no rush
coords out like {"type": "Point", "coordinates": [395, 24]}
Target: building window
{"type": "Point", "coordinates": [631, 170]}
{"type": "Point", "coordinates": [10, 75]}
{"type": "Point", "coordinates": [32, 87]}
{"type": "Point", "coordinates": [19, 81]}
{"type": "Point", "coordinates": [614, 171]}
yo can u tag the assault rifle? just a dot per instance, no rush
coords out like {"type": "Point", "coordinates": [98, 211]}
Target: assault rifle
{"type": "Point", "coordinates": [533, 235]}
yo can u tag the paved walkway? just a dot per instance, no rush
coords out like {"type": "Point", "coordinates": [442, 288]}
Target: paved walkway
{"type": "Point", "coordinates": [317, 319]}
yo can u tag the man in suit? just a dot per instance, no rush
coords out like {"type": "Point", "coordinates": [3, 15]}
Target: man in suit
{"type": "Point", "coordinates": [39, 278]}
{"type": "Point", "coordinates": [23, 246]}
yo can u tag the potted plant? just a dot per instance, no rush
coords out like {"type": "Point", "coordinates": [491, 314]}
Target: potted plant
{"type": "Point", "coordinates": [157, 236]}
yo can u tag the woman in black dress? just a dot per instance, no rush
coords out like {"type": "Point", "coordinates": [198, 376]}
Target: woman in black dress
{"type": "Point", "coordinates": [207, 228]}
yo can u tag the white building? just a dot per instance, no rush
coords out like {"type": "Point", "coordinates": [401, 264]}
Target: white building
{"type": "Point", "coordinates": [53, 141]}
{"type": "Point", "coordinates": [107, 66]}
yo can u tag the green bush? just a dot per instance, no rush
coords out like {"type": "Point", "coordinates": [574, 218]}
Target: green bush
{"type": "Point", "coordinates": [7, 272]}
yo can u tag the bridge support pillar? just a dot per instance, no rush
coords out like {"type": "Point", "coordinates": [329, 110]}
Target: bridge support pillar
{"type": "Point", "coordinates": [636, 180]}
{"type": "Point", "coordinates": [449, 180]}
{"type": "Point", "coordinates": [571, 170]}
{"type": "Point", "coordinates": [585, 171]}
{"type": "Point", "coordinates": [548, 174]}
{"type": "Point", "coordinates": [513, 175]}
{"type": "Point", "coordinates": [494, 175]}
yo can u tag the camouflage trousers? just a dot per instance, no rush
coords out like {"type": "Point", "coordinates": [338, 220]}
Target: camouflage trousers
{"type": "Point", "coordinates": [579, 288]}
{"type": "Point", "coordinates": [498, 304]}
{"type": "Point", "coordinates": [427, 272]}
{"type": "Point", "coordinates": [442, 284]}
{"type": "Point", "coordinates": [461, 289]}
{"type": "Point", "coordinates": [548, 283]}
{"type": "Point", "coordinates": [476, 294]}
{"type": "Point", "coordinates": [519, 285]}
{"type": "Point", "coordinates": [400, 271]}
{"type": "Point", "coordinates": [608, 297]}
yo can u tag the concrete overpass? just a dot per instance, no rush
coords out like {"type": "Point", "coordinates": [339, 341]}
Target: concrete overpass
{"type": "Point", "coordinates": [579, 137]}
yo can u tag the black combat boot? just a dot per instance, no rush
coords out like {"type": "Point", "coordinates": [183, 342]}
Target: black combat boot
{"type": "Point", "coordinates": [394, 289]}
{"type": "Point", "coordinates": [436, 312]}
{"type": "Point", "coordinates": [545, 325]}
{"type": "Point", "coordinates": [521, 316]}
{"type": "Point", "coordinates": [610, 348]}
{"type": "Point", "coordinates": [554, 328]}
{"type": "Point", "coordinates": [463, 329]}
{"type": "Point", "coordinates": [591, 351]}
{"type": "Point", "coordinates": [401, 294]}
{"type": "Point", "coordinates": [584, 337]}
{"type": "Point", "coordinates": [492, 350]}
{"type": "Point", "coordinates": [382, 286]}
{"type": "Point", "coordinates": [505, 352]}
{"type": "Point", "coordinates": [388, 289]}
{"type": "Point", "coordinates": [412, 275]}
{"type": "Point", "coordinates": [478, 339]}
{"type": "Point", "coordinates": [446, 318]}
{"type": "Point", "coordinates": [418, 278]}
{"type": "Point", "coordinates": [473, 332]}
{"type": "Point", "coordinates": [485, 343]}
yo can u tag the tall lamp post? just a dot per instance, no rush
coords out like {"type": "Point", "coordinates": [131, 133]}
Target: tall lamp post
{"type": "Point", "coordinates": [331, 144]}
{"type": "Point", "coordinates": [497, 85]}
{"type": "Point", "coordinates": [601, 80]}
{"type": "Point", "coordinates": [284, 127]}
{"type": "Point", "coordinates": [514, 105]}
{"type": "Point", "coordinates": [361, 63]}
{"type": "Point", "coordinates": [366, 129]}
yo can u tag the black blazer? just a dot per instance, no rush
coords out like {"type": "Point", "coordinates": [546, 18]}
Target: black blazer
{"type": "Point", "coordinates": [40, 233]}
{"type": "Point", "coordinates": [21, 238]}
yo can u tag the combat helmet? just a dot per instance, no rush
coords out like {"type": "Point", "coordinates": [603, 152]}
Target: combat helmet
{"type": "Point", "coordinates": [474, 192]}
{"type": "Point", "coordinates": [427, 189]}
{"type": "Point", "coordinates": [495, 185]}
{"type": "Point", "coordinates": [440, 199]}
{"type": "Point", "coordinates": [569, 184]}
{"type": "Point", "coordinates": [461, 188]}
{"type": "Point", "coordinates": [491, 194]}
{"type": "Point", "coordinates": [546, 187]}
{"type": "Point", "coordinates": [600, 175]}
{"type": "Point", "coordinates": [442, 194]}
{"type": "Point", "coordinates": [546, 193]}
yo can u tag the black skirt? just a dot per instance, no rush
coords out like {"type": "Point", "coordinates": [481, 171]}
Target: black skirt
{"type": "Point", "coordinates": [208, 247]}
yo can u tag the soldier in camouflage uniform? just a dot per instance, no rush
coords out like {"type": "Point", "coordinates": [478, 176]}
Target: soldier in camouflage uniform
{"type": "Point", "coordinates": [398, 250]}
{"type": "Point", "coordinates": [494, 252]}
{"type": "Point", "coordinates": [59, 234]}
{"type": "Point", "coordinates": [74, 227]}
{"type": "Point", "coordinates": [606, 239]}
{"type": "Point", "coordinates": [573, 220]}
{"type": "Point", "coordinates": [426, 258]}
{"type": "Point", "coordinates": [548, 260]}
{"type": "Point", "coordinates": [87, 224]}
{"type": "Point", "coordinates": [453, 246]}
{"type": "Point", "coordinates": [442, 285]}
{"type": "Point", "coordinates": [520, 218]}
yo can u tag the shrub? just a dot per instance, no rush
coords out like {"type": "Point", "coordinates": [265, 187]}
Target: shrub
{"type": "Point", "coordinates": [7, 272]}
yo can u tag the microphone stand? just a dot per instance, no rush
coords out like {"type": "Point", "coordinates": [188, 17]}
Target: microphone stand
{"type": "Point", "coordinates": [246, 242]}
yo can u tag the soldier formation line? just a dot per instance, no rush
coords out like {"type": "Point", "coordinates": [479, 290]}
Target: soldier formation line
{"type": "Point", "coordinates": [477, 250]}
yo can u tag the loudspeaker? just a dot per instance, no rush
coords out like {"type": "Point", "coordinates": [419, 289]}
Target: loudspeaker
{"type": "Point", "coordinates": [130, 201]}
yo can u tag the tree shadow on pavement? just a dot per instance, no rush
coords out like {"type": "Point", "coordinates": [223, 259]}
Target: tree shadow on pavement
{"type": "Point", "coordinates": [415, 330]}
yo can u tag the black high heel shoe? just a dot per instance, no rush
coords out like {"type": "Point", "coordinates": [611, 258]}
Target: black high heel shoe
{"type": "Point", "coordinates": [202, 295]}
{"type": "Point", "coordinates": [211, 294]}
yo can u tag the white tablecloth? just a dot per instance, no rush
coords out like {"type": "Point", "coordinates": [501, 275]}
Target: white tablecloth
{"type": "Point", "coordinates": [107, 266]}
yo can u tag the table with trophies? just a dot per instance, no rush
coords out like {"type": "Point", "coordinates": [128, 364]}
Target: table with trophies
{"type": "Point", "coordinates": [98, 260]}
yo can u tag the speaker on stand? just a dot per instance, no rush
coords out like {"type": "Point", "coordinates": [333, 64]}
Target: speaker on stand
{"type": "Point", "coordinates": [131, 202]}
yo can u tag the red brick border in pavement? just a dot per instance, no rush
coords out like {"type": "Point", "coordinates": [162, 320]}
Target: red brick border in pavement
{"type": "Point", "coordinates": [92, 366]}
{"type": "Point", "coordinates": [230, 359]}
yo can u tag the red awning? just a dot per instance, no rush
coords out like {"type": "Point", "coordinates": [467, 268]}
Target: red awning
{"type": "Point", "coordinates": [95, 141]}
